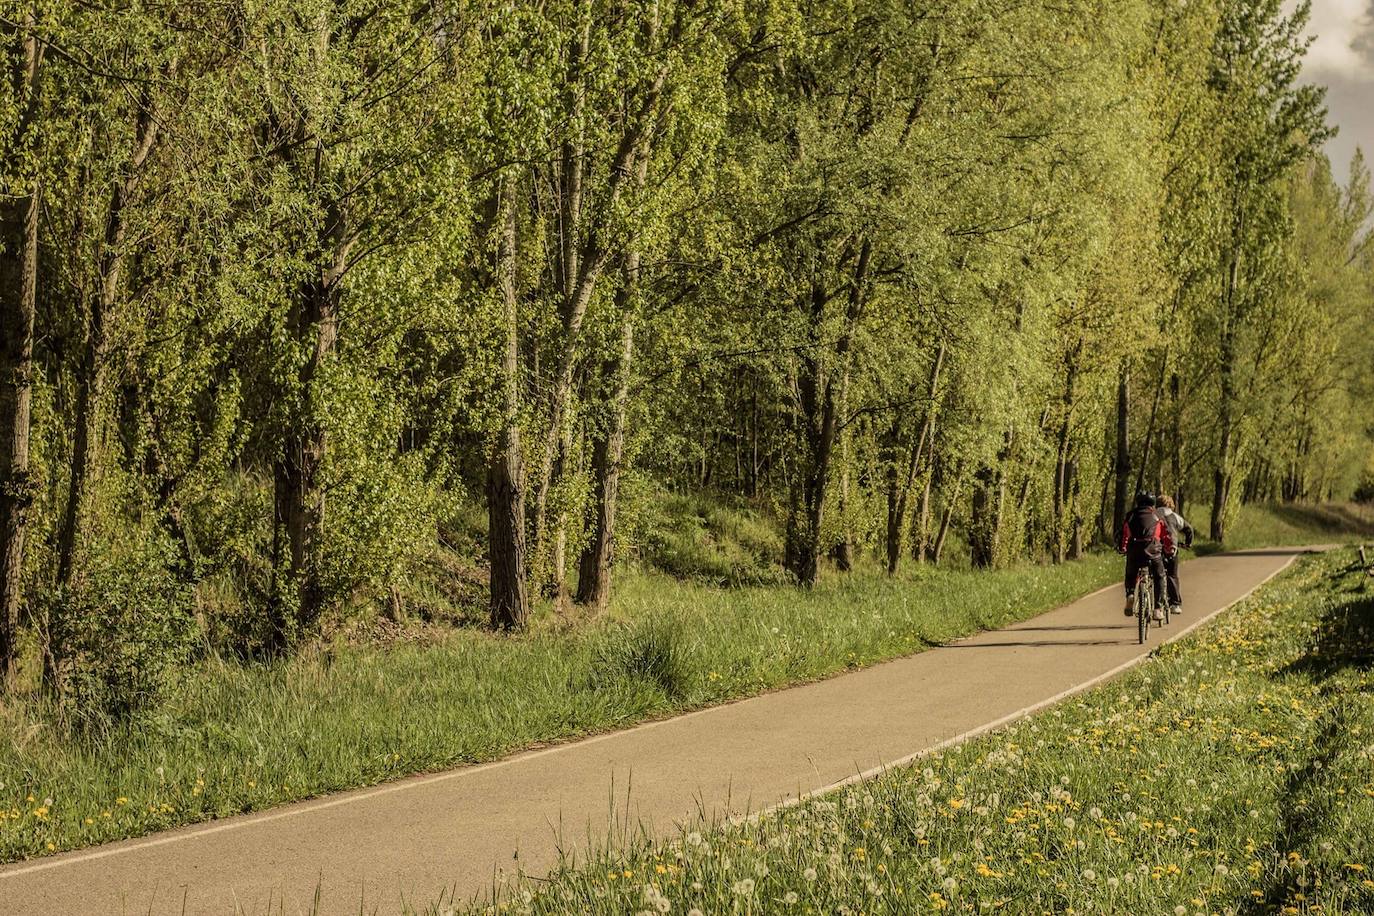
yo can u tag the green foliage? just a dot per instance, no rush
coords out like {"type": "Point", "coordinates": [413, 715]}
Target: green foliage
{"type": "Point", "coordinates": [122, 635]}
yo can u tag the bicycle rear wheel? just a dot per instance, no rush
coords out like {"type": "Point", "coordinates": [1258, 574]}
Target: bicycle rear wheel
{"type": "Point", "coordinates": [1142, 611]}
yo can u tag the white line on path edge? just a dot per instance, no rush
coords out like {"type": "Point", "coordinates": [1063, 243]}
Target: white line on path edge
{"type": "Point", "coordinates": [1010, 717]}
{"type": "Point", "coordinates": [309, 806]}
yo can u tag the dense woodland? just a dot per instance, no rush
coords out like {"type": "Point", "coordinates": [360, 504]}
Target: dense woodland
{"type": "Point", "coordinates": [290, 289]}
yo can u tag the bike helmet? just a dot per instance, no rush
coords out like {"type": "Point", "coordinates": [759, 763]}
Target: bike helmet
{"type": "Point", "coordinates": [1144, 500]}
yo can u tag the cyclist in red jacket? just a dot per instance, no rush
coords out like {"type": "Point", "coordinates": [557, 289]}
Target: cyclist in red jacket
{"type": "Point", "coordinates": [1144, 540]}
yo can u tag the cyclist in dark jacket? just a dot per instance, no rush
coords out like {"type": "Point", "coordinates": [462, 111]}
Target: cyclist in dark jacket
{"type": "Point", "coordinates": [1144, 540]}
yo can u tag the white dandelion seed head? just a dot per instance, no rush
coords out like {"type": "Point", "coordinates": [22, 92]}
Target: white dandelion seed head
{"type": "Point", "coordinates": [809, 874]}
{"type": "Point", "coordinates": [950, 884]}
{"type": "Point", "coordinates": [790, 898]}
{"type": "Point", "coordinates": [1089, 875]}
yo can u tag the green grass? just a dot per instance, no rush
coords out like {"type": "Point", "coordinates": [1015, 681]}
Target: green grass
{"type": "Point", "coordinates": [237, 738]}
{"type": "Point", "coordinates": [1277, 525]}
{"type": "Point", "coordinates": [705, 538]}
{"type": "Point", "coordinates": [1232, 773]}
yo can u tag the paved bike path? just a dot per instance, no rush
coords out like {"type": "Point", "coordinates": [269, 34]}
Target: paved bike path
{"type": "Point", "coordinates": [420, 839]}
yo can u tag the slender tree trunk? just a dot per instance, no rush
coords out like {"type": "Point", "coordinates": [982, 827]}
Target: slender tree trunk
{"type": "Point", "coordinates": [1150, 427]}
{"type": "Point", "coordinates": [92, 372]}
{"type": "Point", "coordinates": [1121, 493]}
{"type": "Point", "coordinates": [1222, 474]}
{"type": "Point", "coordinates": [18, 286]}
{"type": "Point", "coordinates": [1176, 442]}
{"type": "Point", "coordinates": [1076, 509]}
{"type": "Point", "coordinates": [582, 270]}
{"type": "Point", "coordinates": [989, 503]}
{"type": "Point", "coordinates": [920, 542]}
{"type": "Point", "coordinates": [921, 444]}
{"type": "Point", "coordinates": [819, 408]}
{"type": "Point", "coordinates": [18, 293]}
{"type": "Point", "coordinates": [594, 567]}
{"type": "Point", "coordinates": [982, 531]}
{"type": "Point", "coordinates": [1061, 460]}
{"type": "Point", "coordinates": [509, 605]}
{"type": "Point", "coordinates": [297, 598]}
{"type": "Point", "coordinates": [938, 548]}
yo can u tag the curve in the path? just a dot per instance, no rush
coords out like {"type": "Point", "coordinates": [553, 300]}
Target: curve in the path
{"type": "Point", "coordinates": [420, 839]}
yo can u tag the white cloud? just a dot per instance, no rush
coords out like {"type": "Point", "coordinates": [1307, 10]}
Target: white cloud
{"type": "Point", "coordinates": [1344, 44]}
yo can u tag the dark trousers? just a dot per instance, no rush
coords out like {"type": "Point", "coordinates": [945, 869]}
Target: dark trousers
{"type": "Point", "coordinates": [1171, 574]}
{"type": "Point", "coordinates": [1138, 560]}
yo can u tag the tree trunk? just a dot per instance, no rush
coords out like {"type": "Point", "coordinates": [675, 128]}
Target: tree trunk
{"type": "Point", "coordinates": [920, 542]}
{"type": "Point", "coordinates": [18, 294]}
{"type": "Point", "coordinates": [900, 491]}
{"type": "Point", "coordinates": [582, 265]}
{"type": "Point", "coordinates": [1221, 474]}
{"type": "Point", "coordinates": [1061, 460]}
{"type": "Point", "coordinates": [1076, 510]}
{"type": "Point", "coordinates": [298, 500]}
{"type": "Point", "coordinates": [938, 548]}
{"type": "Point", "coordinates": [509, 604]}
{"type": "Point", "coordinates": [1150, 427]}
{"type": "Point", "coordinates": [989, 502]}
{"type": "Point", "coordinates": [92, 372]}
{"type": "Point", "coordinates": [594, 567]}
{"type": "Point", "coordinates": [1121, 493]}
{"type": "Point", "coordinates": [1176, 443]}
{"type": "Point", "coordinates": [819, 413]}
{"type": "Point", "coordinates": [982, 535]}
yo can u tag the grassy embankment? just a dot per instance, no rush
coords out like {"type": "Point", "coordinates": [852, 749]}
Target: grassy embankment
{"type": "Point", "coordinates": [237, 738]}
{"type": "Point", "coordinates": [1232, 773]}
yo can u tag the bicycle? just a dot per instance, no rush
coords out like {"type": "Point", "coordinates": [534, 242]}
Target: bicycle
{"type": "Point", "coordinates": [1144, 599]}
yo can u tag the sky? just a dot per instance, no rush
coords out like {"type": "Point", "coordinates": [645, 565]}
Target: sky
{"type": "Point", "coordinates": [1342, 59]}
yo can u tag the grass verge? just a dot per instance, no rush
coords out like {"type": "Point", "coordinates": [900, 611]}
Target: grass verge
{"type": "Point", "coordinates": [1232, 773]}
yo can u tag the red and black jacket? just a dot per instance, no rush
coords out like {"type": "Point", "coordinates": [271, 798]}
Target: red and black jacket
{"type": "Point", "coordinates": [1144, 532]}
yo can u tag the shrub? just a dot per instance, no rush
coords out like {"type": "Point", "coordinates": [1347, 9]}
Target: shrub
{"type": "Point", "coordinates": [120, 636]}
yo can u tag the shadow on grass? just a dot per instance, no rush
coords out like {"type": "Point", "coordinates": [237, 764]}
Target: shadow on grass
{"type": "Point", "coordinates": [1335, 518]}
{"type": "Point", "coordinates": [1343, 642]}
